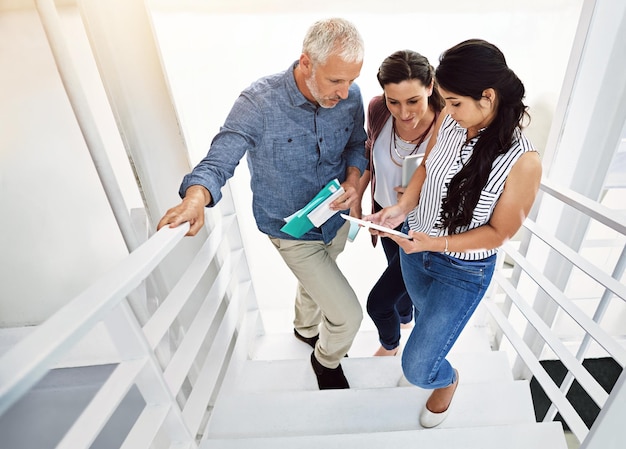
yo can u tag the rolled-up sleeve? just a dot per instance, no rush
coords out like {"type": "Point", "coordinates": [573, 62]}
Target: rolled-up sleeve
{"type": "Point", "coordinates": [240, 132]}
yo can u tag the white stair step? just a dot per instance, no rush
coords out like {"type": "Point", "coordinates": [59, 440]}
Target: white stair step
{"type": "Point", "coordinates": [517, 436]}
{"type": "Point", "coordinates": [284, 346]}
{"type": "Point", "coordinates": [291, 413]}
{"type": "Point", "coordinates": [370, 372]}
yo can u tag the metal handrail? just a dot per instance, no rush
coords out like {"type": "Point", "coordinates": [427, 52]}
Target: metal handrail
{"type": "Point", "coordinates": [179, 414]}
{"type": "Point", "coordinates": [29, 360]}
{"type": "Point", "coordinates": [612, 288]}
{"type": "Point", "coordinates": [590, 208]}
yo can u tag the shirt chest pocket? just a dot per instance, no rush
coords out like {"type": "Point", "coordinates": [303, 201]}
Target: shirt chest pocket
{"type": "Point", "coordinates": [334, 140]}
{"type": "Point", "coordinates": [294, 152]}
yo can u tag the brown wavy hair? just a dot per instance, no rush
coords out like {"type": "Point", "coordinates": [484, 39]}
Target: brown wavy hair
{"type": "Point", "coordinates": [405, 65]}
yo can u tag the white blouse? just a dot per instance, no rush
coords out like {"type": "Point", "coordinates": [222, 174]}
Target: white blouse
{"type": "Point", "coordinates": [444, 161]}
{"type": "Point", "coordinates": [388, 174]}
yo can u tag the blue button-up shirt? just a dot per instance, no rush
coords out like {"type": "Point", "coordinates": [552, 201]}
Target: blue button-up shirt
{"type": "Point", "coordinates": [294, 148]}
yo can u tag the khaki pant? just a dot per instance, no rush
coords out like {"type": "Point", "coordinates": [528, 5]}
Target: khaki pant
{"type": "Point", "coordinates": [324, 295]}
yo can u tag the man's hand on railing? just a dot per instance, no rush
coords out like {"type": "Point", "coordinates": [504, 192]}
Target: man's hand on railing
{"type": "Point", "coordinates": [191, 210]}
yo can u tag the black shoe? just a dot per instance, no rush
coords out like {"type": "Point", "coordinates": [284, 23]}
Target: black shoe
{"type": "Point", "coordinates": [308, 340]}
{"type": "Point", "coordinates": [328, 378]}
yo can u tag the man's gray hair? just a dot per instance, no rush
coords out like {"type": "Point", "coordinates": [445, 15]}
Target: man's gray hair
{"type": "Point", "coordinates": [333, 36]}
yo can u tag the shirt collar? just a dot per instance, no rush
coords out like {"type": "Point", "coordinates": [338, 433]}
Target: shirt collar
{"type": "Point", "coordinates": [462, 130]}
{"type": "Point", "coordinates": [296, 97]}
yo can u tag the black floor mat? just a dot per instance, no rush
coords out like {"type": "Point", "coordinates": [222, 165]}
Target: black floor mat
{"type": "Point", "coordinates": [604, 370]}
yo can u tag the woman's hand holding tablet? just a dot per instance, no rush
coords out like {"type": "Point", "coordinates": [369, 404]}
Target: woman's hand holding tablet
{"type": "Point", "coordinates": [369, 224]}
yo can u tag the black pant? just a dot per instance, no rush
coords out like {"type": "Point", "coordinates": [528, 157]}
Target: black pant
{"type": "Point", "coordinates": [388, 303]}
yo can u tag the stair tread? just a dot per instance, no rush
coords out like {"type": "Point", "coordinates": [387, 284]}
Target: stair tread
{"type": "Point", "coordinates": [517, 436]}
{"type": "Point", "coordinates": [369, 372]}
{"type": "Point", "coordinates": [283, 345]}
{"type": "Point", "coordinates": [263, 414]}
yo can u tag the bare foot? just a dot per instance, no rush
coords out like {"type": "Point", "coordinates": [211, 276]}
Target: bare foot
{"type": "Point", "coordinates": [440, 398]}
{"type": "Point", "coordinates": [408, 325]}
{"type": "Point", "coordinates": [386, 352]}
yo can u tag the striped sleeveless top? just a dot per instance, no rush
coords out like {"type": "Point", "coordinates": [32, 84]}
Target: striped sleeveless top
{"type": "Point", "coordinates": [444, 161]}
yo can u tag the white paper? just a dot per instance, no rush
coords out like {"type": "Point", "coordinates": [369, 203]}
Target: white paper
{"type": "Point", "coordinates": [323, 212]}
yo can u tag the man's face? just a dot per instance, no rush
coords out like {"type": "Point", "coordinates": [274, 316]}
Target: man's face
{"type": "Point", "coordinates": [328, 83]}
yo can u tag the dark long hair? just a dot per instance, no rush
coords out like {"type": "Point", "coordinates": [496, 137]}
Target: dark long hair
{"type": "Point", "coordinates": [468, 69]}
{"type": "Point", "coordinates": [405, 65]}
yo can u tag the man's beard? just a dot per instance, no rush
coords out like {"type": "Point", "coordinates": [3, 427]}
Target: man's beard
{"type": "Point", "coordinates": [323, 102]}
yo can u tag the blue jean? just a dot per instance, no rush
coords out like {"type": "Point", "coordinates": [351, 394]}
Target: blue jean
{"type": "Point", "coordinates": [445, 291]}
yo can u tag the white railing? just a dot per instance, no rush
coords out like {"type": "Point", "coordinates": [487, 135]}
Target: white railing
{"type": "Point", "coordinates": [178, 358]}
{"type": "Point", "coordinates": [176, 364]}
{"type": "Point", "coordinates": [529, 325]}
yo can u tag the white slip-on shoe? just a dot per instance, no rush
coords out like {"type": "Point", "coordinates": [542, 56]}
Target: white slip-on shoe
{"type": "Point", "coordinates": [430, 419]}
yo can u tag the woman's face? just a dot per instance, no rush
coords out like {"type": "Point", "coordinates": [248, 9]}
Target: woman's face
{"type": "Point", "coordinates": [469, 113]}
{"type": "Point", "coordinates": [407, 101]}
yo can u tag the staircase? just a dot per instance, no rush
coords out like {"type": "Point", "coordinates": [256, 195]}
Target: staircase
{"type": "Point", "coordinates": [211, 369]}
{"type": "Point", "coordinates": [273, 401]}
{"type": "Point", "coordinates": [210, 379]}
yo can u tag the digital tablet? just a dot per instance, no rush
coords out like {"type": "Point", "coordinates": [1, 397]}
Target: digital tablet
{"type": "Point", "coordinates": [369, 224]}
{"type": "Point", "coordinates": [409, 165]}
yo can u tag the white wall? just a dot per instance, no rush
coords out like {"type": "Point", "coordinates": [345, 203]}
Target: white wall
{"type": "Point", "coordinates": [58, 234]}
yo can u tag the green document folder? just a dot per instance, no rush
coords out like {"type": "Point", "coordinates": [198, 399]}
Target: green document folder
{"type": "Point", "coordinates": [300, 222]}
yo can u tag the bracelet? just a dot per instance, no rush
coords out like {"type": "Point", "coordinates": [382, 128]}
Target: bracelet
{"type": "Point", "coordinates": [445, 250]}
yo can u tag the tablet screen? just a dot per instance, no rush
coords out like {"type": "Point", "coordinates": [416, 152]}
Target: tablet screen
{"type": "Point", "coordinates": [369, 224]}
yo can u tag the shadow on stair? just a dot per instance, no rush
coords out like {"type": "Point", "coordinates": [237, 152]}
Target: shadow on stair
{"type": "Point", "coordinates": [43, 416]}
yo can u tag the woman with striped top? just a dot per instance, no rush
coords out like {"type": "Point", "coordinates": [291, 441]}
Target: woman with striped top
{"type": "Point", "coordinates": [475, 187]}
